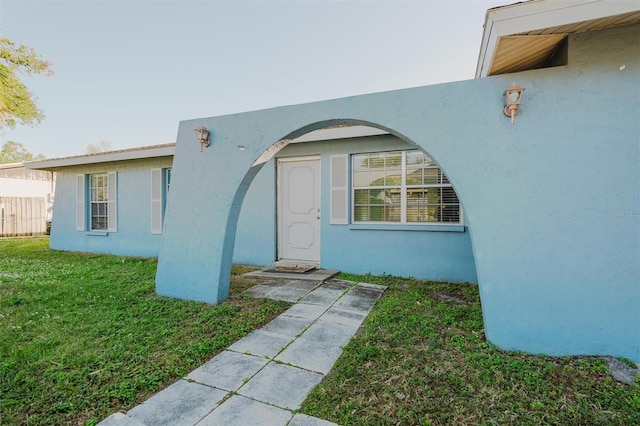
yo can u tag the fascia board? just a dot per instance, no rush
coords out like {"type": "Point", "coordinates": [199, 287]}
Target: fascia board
{"type": "Point", "coordinates": [549, 14]}
{"type": "Point", "coordinates": [487, 48]}
{"type": "Point", "coordinates": [108, 157]}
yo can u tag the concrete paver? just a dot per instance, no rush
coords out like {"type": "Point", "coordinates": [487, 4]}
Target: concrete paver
{"type": "Point", "coordinates": [314, 356]}
{"type": "Point", "coordinates": [288, 294]}
{"type": "Point", "coordinates": [261, 343]}
{"type": "Point", "coordinates": [120, 419]}
{"type": "Point", "coordinates": [228, 370]}
{"type": "Point", "coordinates": [287, 326]}
{"type": "Point", "coordinates": [355, 302]}
{"type": "Point", "coordinates": [281, 385]}
{"type": "Point", "coordinates": [305, 310]}
{"type": "Point", "coordinates": [330, 334]}
{"type": "Point", "coordinates": [239, 410]}
{"type": "Point", "coordinates": [261, 290]}
{"type": "Point", "coordinates": [304, 420]}
{"type": "Point", "coordinates": [322, 296]}
{"type": "Point", "coordinates": [335, 284]}
{"type": "Point", "coordinates": [262, 378]}
{"type": "Point", "coordinates": [182, 403]}
{"type": "Point", "coordinates": [344, 317]}
{"type": "Point", "coordinates": [304, 285]}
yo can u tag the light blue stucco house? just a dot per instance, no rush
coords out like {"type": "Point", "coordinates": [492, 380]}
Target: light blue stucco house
{"type": "Point", "coordinates": [432, 182]}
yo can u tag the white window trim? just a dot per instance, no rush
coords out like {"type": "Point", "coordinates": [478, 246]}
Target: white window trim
{"type": "Point", "coordinates": [83, 203]}
{"type": "Point", "coordinates": [403, 198]}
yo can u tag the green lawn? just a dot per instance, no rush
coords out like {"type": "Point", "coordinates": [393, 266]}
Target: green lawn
{"type": "Point", "coordinates": [421, 358]}
{"type": "Point", "coordinates": [83, 336]}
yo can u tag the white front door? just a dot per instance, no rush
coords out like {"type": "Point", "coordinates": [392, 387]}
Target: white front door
{"type": "Point", "coordinates": [299, 210]}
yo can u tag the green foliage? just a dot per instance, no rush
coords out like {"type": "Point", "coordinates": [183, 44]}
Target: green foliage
{"type": "Point", "coordinates": [95, 148]}
{"type": "Point", "coordinates": [15, 152]}
{"type": "Point", "coordinates": [83, 336]}
{"type": "Point", "coordinates": [17, 104]}
{"type": "Point", "coordinates": [421, 358]}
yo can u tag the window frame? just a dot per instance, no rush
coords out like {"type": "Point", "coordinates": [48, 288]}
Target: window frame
{"type": "Point", "coordinates": [85, 202]}
{"type": "Point", "coordinates": [98, 198]}
{"type": "Point", "coordinates": [404, 189]}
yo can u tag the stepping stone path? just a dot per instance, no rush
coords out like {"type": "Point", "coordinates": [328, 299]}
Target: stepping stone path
{"type": "Point", "coordinates": [264, 377]}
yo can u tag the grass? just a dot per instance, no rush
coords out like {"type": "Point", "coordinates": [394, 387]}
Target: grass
{"type": "Point", "coordinates": [83, 336]}
{"type": "Point", "coordinates": [421, 358]}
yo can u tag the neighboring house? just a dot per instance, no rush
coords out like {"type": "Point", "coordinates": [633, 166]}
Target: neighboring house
{"type": "Point", "coordinates": [110, 202]}
{"type": "Point", "coordinates": [26, 200]}
{"type": "Point", "coordinates": [376, 183]}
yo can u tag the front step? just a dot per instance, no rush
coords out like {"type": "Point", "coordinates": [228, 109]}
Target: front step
{"type": "Point", "coordinates": [315, 274]}
{"type": "Point", "coordinates": [293, 266]}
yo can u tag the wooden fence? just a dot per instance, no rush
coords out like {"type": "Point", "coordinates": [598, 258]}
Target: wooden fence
{"type": "Point", "coordinates": [21, 216]}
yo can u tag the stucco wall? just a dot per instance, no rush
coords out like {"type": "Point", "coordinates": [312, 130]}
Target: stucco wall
{"type": "Point", "coordinates": [551, 202]}
{"type": "Point", "coordinates": [133, 237]}
{"type": "Point", "coordinates": [434, 255]}
{"type": "Point", "coordinates": [255, 237]}
{"type": "Point", "coordinates": [361, 249]}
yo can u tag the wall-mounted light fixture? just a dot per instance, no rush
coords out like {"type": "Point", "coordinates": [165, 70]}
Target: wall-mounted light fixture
{"type": "Point", "coordinates": [513, 96]}
{"type": "Point", "coordinates": [202, 133]}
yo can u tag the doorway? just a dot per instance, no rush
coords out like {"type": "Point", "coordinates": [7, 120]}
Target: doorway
{"type": "Point", "coordinates": [299, 210]}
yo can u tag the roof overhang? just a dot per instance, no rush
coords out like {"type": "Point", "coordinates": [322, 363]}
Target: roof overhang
{"type": "Point", "coordinates": [154, 151]}
{"type": "Point", "coordinates": [168, 150]}
{"type": "Point", "coordinates": [526, 35]}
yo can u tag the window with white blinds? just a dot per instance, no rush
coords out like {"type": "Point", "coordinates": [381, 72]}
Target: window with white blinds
{"type": "Point", "coordinates": [101, 202]}
{"type": "Point", "coordinates": [401, 187]}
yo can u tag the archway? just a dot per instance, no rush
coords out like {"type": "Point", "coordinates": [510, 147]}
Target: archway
{"type": "Point", "coordinates": [533, 264]}
{"type": "Point", "coordinates": [228, 232]}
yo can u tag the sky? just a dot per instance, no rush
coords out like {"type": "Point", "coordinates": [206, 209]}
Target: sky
{"type": "Point", "coordinates": [127, 72]}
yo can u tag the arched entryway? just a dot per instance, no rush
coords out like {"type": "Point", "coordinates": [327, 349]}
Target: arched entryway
{"type": "Point", "coordinates": [403, 229]}
{"type": "Point", "coordinates": [530, 273]}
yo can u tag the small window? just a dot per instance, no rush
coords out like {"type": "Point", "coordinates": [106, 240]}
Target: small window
{"type": "Point", "coordinates": [401, 187]}
{"type": "Point", "coordinates": [100, 204]}
{"type": "Point", "coordinates": [99, 185]}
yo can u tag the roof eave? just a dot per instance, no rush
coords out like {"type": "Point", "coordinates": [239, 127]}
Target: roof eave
{"type": "Point", "coordinates": [105, 157]}
{"type": "Point", "coordinates": [537, 15]}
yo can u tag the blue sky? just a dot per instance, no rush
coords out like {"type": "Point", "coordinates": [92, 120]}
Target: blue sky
{"type": "Point", "coordinates": [127, 72]}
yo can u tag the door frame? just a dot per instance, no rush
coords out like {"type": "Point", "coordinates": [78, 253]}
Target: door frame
{"type": "Point", "coordinates": [279, 216]}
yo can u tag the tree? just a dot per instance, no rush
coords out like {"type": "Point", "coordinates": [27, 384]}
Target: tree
{"type": "Point", "coordinates": [94, 148]}
{"type": "Point", "coordinates": [15, 152]}
{"type": "Point", "coordinates": [17, 104]}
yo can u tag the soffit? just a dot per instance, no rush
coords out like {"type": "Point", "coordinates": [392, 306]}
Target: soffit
{"type": "Point", "coordinates": [526, 35]}
{"type": "Point", "coordinates": [524, 52]}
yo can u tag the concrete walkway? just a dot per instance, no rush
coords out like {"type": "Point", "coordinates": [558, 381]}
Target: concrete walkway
{"type": "Point", "coordinates": [262, 378]}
